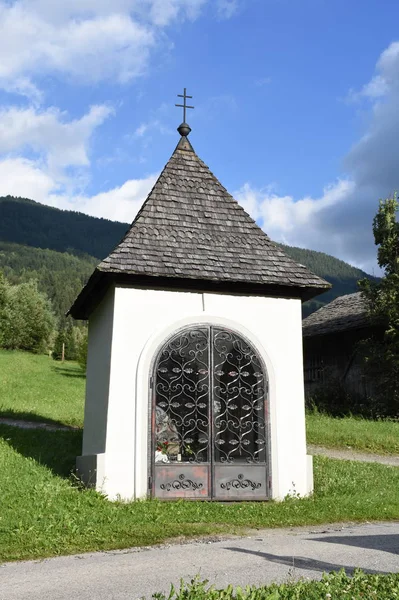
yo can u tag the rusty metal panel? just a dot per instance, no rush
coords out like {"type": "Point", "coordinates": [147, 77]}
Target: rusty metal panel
{"type": "Point", "coordinates": [182, 481]}
{"type": "Point", "coordinates": [240, 482]}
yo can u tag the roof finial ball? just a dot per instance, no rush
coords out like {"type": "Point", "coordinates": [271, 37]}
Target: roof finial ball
{"type": "Point", "coordinates": [183, 128]}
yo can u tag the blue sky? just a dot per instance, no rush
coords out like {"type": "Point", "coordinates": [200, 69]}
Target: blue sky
{"type": "Point", "coordinates": [295, 107]}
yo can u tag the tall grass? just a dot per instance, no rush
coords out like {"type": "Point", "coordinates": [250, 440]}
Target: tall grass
{"type": "Point", "coordinates": [381, 437]}
{"type": "Point", "coordinates": [335, 586]}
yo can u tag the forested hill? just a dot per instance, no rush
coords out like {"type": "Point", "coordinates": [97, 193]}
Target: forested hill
{"type": "Point", "coordinates": [340, 274]}
{"type": "Point", "coordinates": [23, 221]}
{"type": "Point", "coordinates": [62, 245]}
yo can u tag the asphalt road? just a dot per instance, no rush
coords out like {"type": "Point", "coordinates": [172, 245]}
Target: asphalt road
{"type": "Point", "coordinates": [266, 556]}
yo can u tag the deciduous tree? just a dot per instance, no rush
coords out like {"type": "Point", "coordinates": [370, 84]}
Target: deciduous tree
{"type": "Point", "coordinates": [382, 300]}
{"type": "Point", "coordinates": [27, 319]}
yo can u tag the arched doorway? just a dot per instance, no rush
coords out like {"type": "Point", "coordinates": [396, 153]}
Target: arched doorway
{"type": "Point", "coordinates": [210, 434]}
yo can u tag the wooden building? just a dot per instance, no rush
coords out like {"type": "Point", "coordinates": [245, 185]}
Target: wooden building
{"type": "Point", "coordinates": [330, 342]}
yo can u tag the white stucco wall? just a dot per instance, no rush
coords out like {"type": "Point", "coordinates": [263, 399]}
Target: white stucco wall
{"type": "Point", "coordinates": [91, 465]}
{"type": "Point", "coordinates": [98, 375]}
{"type": "Point", "coordinates": [142, 319]}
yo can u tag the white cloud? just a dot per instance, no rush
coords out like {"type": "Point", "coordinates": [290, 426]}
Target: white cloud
{"type": "Point", "coordinates": [141, 130]}
{"type": "Point", "coordinates": [156, 124]}
{"type": "Point", "coordinates": [386, 78]}
{"type": "Point", "coordinates": [58, 150]}
{"type": "Point", "coordinates": [88, 50]}
{"type": "Point", "coordinates": [262, 81]}
{"type": "Point", "coordinates": [119, 204]}
{"type": "Point", "coordinates": [85, 40]}
{"type": "Point", "coordinates": [227, 8]}
{"type": "Point", "coordinates": [340, 221]}
{"type": "Point", "coordinates": [25, 178]}
{"type": "Point", "coordinates": [62, 143]}
{"type": "Point", "coordinates": [162, 12]}
{"type": "Point", "coordinates": [159, 12]}
{"type": "Point", "coordinates": [59, 162]}
{"type": "Point", "coordinates": [29, 179]}
{"type": "Point", "coordinates": [287, 220]}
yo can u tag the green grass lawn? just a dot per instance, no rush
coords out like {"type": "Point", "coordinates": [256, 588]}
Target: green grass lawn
{"type": "Point", "coordinates": [381, 437]}
{"type": "Point", "coordinates": [43, 514]}
{"type": "Point", "coordinates": [35, 387]}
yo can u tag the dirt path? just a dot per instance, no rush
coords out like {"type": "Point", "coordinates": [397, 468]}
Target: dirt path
{"type": "Point", "coordinates": [35, 425]}
{"type": "Point", "coordinates": [346, 454]}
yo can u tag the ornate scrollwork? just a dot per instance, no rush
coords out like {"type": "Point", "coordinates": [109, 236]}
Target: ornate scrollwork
{"type": "Point", "coordinates": [182, 395]}
{"type": "Point", "coordinates": [239, 393]}
{"type": "Point", "coordinates": [240, 483]}
{"type": "Point", "coordinates": [202, 363]}
{"type": "Point", "coordinates": [181, 484]}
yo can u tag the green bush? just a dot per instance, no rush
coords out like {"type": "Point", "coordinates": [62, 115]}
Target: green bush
{"type": "Point", "coordinates": [26, 318]}
{"type": "Point", "coordinates": [332, 397]}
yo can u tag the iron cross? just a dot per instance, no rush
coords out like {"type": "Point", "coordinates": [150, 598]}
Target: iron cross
{"type": "Point", "coordinates": [184, 105]}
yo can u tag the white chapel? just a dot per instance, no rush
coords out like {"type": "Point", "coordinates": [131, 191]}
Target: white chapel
{"type": "Point", "coordinates": [195, 370]}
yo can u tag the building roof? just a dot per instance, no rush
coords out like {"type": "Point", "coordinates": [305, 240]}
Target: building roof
{"type": "Point", "coordinates": [191, 228]}
{"type": "Point", "coordinates": [343, 313]}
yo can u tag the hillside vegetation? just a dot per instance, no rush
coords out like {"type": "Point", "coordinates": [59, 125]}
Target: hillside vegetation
{"type": "Point", "coordinates": [341, 275]}
{"type": "Point", "coordinates": [60, 276]}
{"type": "Point", "coordinates": [60, 249]}
{"type": "Point", "coordinates": [26, 222]}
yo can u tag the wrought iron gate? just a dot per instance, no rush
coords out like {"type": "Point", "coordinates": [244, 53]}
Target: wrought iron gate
{"type": "Point", "coordinates": [209, 418]}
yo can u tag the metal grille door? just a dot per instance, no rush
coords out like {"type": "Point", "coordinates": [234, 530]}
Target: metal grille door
{"type": "Point", "coordinates": [210, 435]}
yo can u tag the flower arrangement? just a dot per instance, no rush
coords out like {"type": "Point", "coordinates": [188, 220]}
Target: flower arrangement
{"type": "Point", "coordinates": [163, 447]}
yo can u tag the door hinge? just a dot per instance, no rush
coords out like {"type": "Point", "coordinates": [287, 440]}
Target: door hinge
{"type": "Point", "coordinates": [151, 382]}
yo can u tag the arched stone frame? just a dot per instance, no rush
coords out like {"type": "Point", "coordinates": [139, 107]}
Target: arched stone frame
{"type": "Point", "coordinates": [143, 395]}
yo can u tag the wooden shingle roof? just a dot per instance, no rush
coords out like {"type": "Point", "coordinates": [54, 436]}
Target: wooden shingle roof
{"type": "Point", "coordinates": [343, 313]}
{"type": "Point", "coordinates": [191, 228]}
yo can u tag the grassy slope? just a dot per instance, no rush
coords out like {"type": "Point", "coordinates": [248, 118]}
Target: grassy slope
{"type": "Point", "coordinates": [381, 437]}
{"type": "Point", "coordinates": [35, 387]}
{"type": "Point", "coordinates": [43, 514]}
